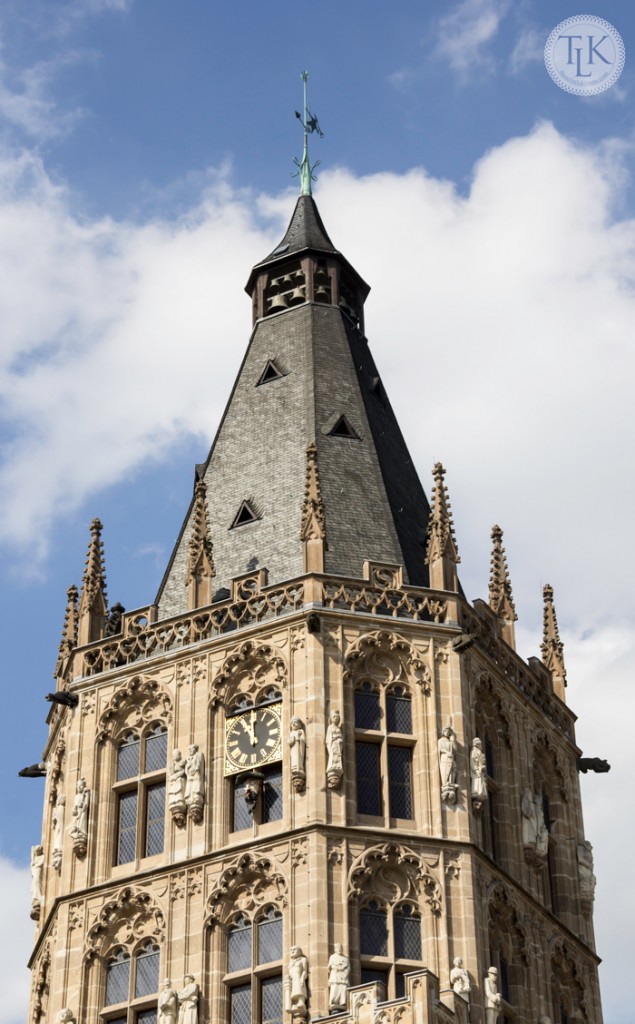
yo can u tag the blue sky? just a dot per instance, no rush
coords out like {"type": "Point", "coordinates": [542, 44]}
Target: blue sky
{"type": "Point", "coordinates": [145, 159]}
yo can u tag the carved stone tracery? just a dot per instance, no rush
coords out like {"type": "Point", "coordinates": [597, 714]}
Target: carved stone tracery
{"type": "Point", "coordinates": [249, 668]}
{"type": "Point", "coordinates": [131, 916]}
{"type": "Point", "coordinates": [386, 658]}
{"type": "Point", "coordinates": [249, 882]}
{"type": "Point", "coordinates": [394, 873]}
{"type": "Point", "coordinates": [134, 705]}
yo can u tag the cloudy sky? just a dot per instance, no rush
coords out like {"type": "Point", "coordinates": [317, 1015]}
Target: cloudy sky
{"type": "Point", "coordinates": [145, 156]}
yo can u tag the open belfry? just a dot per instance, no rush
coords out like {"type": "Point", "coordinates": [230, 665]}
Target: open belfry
{"type": "Point", "coordinates": [310, 780]}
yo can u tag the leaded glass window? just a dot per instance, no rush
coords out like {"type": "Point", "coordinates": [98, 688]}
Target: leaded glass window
{"type": "Point", "coordinates": [145, 1017]}
{"type": "Point", "coordinates": [271, 996]}
{"type": "Point", "coordinates": [368, 778]}
{"type": "Point", "coordinates": [367, 708]}
{"type": "Point", "coordinates": [373, 927]}
{"type": "Point", "coordinates": [407, 926]}
{"type": "Point", "coordinates": [270, 937]}
{"type": "Point", "coordinates": [155, 819]}
{"type": "Point", "coordinates": [141, 803]}
{"type": "Point", "coordinates": [118, 979]}
{"type": "Point", "coordinates": [127, 827]}
{"type": "Point", "coordinates": [240, 1004]}
{"type": "Point", "coordinates": [400, 985]}
{"type": "Point", "coordinates": [147, 971]}
{"type": "Point", "coordinates": [369, 975]}
{"type": "Point", "coordinates": [272, 794]}
{"type": "Point", "coordinates": [242, 815]}
{"type": "Point", "coordinates": [128, 758]}
{"type": "Point", "coordinates": [398, 710]}
{"type": "Point", "coordinates": [400, 781]}
{"type": "Point", "coordinates": [239, 940]}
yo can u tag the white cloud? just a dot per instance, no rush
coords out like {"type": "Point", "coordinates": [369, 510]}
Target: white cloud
{"type": "Point", "coordinates": [16, 939]}
{"type": "Point", "coordinates": [529, 48]}
{"type": "Point", "coordinates": [502, 323]}
{"type": "Point", "coordinates": [25, 98]}
{"type": "Point", "coordinates": [465, 33]}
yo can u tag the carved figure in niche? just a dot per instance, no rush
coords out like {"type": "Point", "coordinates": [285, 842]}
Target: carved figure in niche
{"type": "Point", "coordinates": [542, 835]}
{"type": "Point", "coordinates": [177, 777]}
{"type": "Point", "coordinates": [334, 746]}
{"type": "Point", "coordinates": [168, 1004]}
{"type": "Point", "coordinates": [586, 875]}
{"type": "Point", "coordinates": [493, 998]}
{"type": "Point", "coordinates": [37, 870]}
{"type": "Point", "coordinates": [78, 830]}
{"type": "Point", "coordinates": [188, 1000]}
{"type": "Point", "coordinates": [66, 1016]}
{"type": "Point", "coordinates": [447, 765]}
{"type": "Point", "coordinates": [530, 822]}
{"type": "Point", "coordinates": [297, 746]}
{"type": "Point", "coordinates": [339, 979]}
{"type": "Point", "coordinates": [57, 819]}
{"type": "Point", "coordinates": [460, 979]}
{"type": "Point", "coordinates": [195, 783]}
{"type": "Point", "coordinates": [296, 986]}
{"type": "Point", "coordinates": [478, 774]}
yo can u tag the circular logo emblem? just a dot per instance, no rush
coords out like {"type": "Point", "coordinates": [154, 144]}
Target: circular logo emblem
{"type": "Point", "coordinates": [585, 55]}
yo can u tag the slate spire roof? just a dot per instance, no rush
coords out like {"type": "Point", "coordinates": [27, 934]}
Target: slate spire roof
{"type": "Point", "coordinates": [374, 507]}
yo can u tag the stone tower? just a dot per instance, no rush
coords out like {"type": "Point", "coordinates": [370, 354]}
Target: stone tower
{"type": "Point", "coordinates": [310, 780]}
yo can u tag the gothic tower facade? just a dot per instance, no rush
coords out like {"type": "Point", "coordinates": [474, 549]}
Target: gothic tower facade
{"type": "Point", "coordinates": [310, 780]}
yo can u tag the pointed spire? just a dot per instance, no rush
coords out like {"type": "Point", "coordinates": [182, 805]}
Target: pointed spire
{"type": "Point", "coordinates": [312, 528]}
{"type": "Point", "coordinates": [310, 124]}
{"type": "Point", "coordinates": [501, 600]}
{"type": "Point", "coordinates": [552, 648]}
{"type": "Point", "coordinates": [442, 554]}
{"type": "Point", "coordinates": [68, 643]}
{"type": "Point", "coordinates": [93, 604]}
{"type": "Point", "coordinates": [201, 560]}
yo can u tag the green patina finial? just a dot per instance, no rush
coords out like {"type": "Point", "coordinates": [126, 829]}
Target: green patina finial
{"type": "Point", "coordinates": [309, 122]}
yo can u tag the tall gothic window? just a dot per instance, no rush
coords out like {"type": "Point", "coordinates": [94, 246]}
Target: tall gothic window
{"type": "Point", "coordinates": [132, 985]}
{"type": "Point", "coordinates": [383, 751]}
{"type": "Point", "coordinates": [389, 944]}
{"type": "Point", "coordinates": [140, 792]}
{"type": "Point", "coordinates": [254, 968]}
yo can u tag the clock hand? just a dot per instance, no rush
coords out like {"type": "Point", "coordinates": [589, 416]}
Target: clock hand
{"type": "Point", "coordinates": [252, 729]}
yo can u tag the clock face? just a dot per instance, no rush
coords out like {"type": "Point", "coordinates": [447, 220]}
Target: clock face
{"type": "Point", "coordinates": [252, 739]}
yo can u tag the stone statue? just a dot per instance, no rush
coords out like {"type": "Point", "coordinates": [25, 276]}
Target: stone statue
{"type": "Point", "coordinates": [66, 1016]}
{"type": "Point", "coordinates": [37, 870]}
{"type": "Point", "coordinates": [447, 765]}
{"type": "Point", "coordinates": [542, 835]}
{"type": "Point", "coordinates": [297, 990]}
{"type": "Point", "coordinates": [195, 783]}
{"type": "Point", "coordinates": [57, 820]}
{"type": "Point", "coordinates": [493, 998]}
{"type": "Point", "coordinates": [334, 746]}
{"type": "Point", "coordinates": [78, 830]}
{"type": "Point", "coordinates": [478, 774]}
{"type": "Point", "coordinates": [168, 1004]}
{"type": "Point", "coordinates": [460, 979]}
{"type": "Point", "coordinates": [188, 998]}
{"type": "Point", "coordinates": [176, 789]}
{"type": "Point", "coordinates": [297, 747]}
{"type": "Point", "coordinates": [339, 979]}
{"type": "Point", "coordinates": [530, 822]}
{"type": "Point", "coordinates": [586, 875]}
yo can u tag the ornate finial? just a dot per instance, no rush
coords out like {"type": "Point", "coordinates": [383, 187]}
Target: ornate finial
{"type": "Point", "coordinates": [309, 122]}
{"type": "Point", "coordinates": [312, 526]}
{"type": "Point", "coordinates": [501, 600]}
{"type": "Point", "coordinates": [201, 561]}
{"type": "Point", "coordinates": [552, 648]}
{"type": "Point", "coordinates": [93, 606]}
{"type": "Point", "coordinates": [441, 539]}
{"type": "Point", "coordinates": [94, 578]}
{"type": "Point", "coordinates": [68, 643]}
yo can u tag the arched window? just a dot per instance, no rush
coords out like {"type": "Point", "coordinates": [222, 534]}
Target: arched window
{"type": "Point", "coordinates": [254, 968]}
{"type": "Point", "coordinates": [390, 944]}
{"type": "Point", "coordinates": [132, 985]}
{"type": "Point", "coordinates": [140, 793]}
{"type": "Point", "coordinates": [383, 751]}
